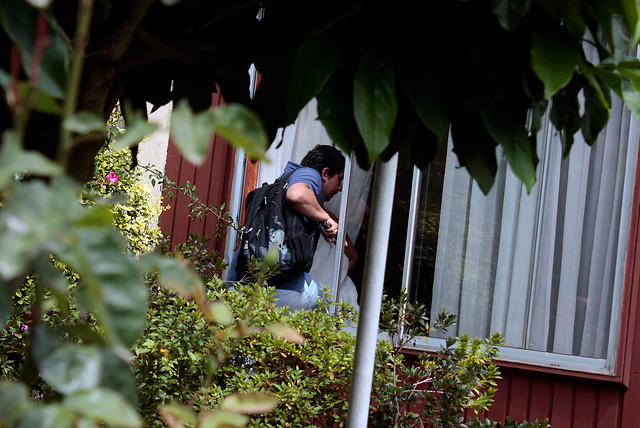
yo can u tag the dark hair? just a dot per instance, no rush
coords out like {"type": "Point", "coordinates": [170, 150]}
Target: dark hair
{"type": "Point", "coordinates": [323, 156]}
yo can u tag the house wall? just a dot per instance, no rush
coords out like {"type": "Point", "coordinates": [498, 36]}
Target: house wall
{"type": "Point", "coordinates": [213, 187]}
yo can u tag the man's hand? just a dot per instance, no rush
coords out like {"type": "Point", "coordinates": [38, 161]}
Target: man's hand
{"type": "Point", "coordinates": [330, 229]}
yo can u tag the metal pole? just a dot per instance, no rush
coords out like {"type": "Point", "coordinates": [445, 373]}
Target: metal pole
{"type": "Point", "coordinates": [374, 269]}
{"type": "Point", "coordinates": [342, 230]}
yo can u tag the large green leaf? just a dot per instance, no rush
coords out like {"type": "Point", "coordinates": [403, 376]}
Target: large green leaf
{"type": "Point", "coordinates": [14, 400]}
{"type": "Point", "coordinates": [250, 403]}
{"type": "Point", "coordinates": [241, 127]}
{"type": "Point", "coordinates": [14, 160]}
{"type": "Point", "coordinates": [424, 90]}
{"type": "Point", "coordinates": [311, 68]}
{"type": "Point", "coordinates": [630, 96]}
{"type": "Point", "coordinates": [112, 285]}
{"type": "Point", "coordinates": [72, 367]}
{"type": "Point", "coordinates": [138, 128]}
{"type": "Point", "coordinates": [509, 12]}
{"type": "Point", "coordinates": [632, 17]}
{"type": "Point", "coordinates": [565, 114]}
{"type": "Point", "coordinates": [220, 419]}
{"type": "Point", "coordinates": [117, 376]}
{"type": "Point", "coordinates": [175, 275]}
{"type": "Point", "coordinates": [335, 110]}
{"type": "Point", "coordinates": [554, 54]}
{"type": "Point", "coordinates": [48, 416]}
{"type": "Point", "coordinates": [375, 105]}
{"type": "Point", "coordinates": [476, 150]}
{"type": "Point", "coordinates": [20, 21]}
{"type": "Point", "coordinates": [509, 131]}
{"type": "Point", "coordinates": [555, 8]}
{"type": "Point", "coordinates": [34, 221]}
{"type": "Point", "coordinates": [84, 122]}
{"type": "Point", "coordinates": [105, 406]}
{"type": "Point", "coordinates": [192, 133]}
{"type": "Point", "coordinates": [596, 114]}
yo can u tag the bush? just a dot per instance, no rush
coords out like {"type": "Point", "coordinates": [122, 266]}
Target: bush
{"type": "Point", "coordinates": [184, 358]}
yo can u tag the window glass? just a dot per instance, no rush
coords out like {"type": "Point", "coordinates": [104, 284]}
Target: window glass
{"type": "Point", "coordinates": [545, 268]}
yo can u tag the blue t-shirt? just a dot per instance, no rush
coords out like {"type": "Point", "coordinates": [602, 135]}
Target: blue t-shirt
{"type": "Point", "coordinates": [306, 175]}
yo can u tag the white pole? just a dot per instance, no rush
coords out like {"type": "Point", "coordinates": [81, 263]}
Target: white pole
{"type": "Point", "coordinates": [374, 269]}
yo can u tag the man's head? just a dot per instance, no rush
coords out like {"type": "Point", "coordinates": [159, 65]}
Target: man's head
{"type": "Point", "coordinates": [329, 162]}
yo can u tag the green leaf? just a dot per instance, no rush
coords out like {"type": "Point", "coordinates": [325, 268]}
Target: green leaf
{"type": "Point", "coordinates": [116, 375]}
{"type": "Point", "coordinates": [19, 20]}
{"type": "Point", "coordinates": [97, 215]}
{"type": "Point", "coordinates": [335, 110]}
{"type": "Point", "coordinates": [14, 400]}
{"type": "Point", "coordinates": [632, 17]}
{"type": "Point", "coordinates": [241, 127]}
{"type": "Point", "coordinates": [596, 115]}
{"type": "Point", "coordinates": [48, 416]}
{"type": "Point", "coordinates": [219, 312]}
{"type": "Point", "coordinates": [285, 332]}
{"type": "Point", "coordinates": [138, 128]}
{"type": "Point", "coordinates": [619, 40]}
{"type": "Point", "coordinates": [574, 20]}
{"type": "Point", "coordinates": [630, 96]}
{"type": "Point", "coordinates": [312, 66]}
{"type": "Point", "coordinates": [509, 12]}
{"type": "Point", "coordinates": [105, 406]}
{"type": "Point", "coordinates": [33, 220]}
{"type": "Point", "coordinates": [14, 160]}
{"type": "Point", "coordinates": [219, 419]}
{"type": "Point", "coordinates": [192, 133]}
{"type": "Point", "coordinates": [72, 367]}
{"type": "Point", "coordinates": [84, 122]}
{"type": "Point", "coordinates": [176, 275]}
{"type": "Point", "coordinates": [375, 105]}
{"type": "Point", "coordinates": [553, 57]}
{"type": "Point", "coordinates": [250, 403]}
{"type": "Point", "coordinates": [178, 413]}
{"type": "Point", "coordinates": [112, 284]}
{"type": "Point", "coordinates": [565, 114]}
{"type": "Point", "coordinates": [509, 131]}
{"type": "Point", "coordinates": [555, 8]}
{"type": "Point", "coordinates": [476, 150]}
{"type": "Point", "coordinates": [45, 343]}
{"type": "Point", "coordinates": [41, 101]}
{"type": "Point", "coordinates": [424, 90]}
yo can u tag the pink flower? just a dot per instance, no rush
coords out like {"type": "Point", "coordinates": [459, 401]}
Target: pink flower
{"type": "Point", "coordinates": [24, 328]}
{"type": "Point", "coordinates": [112, 177]}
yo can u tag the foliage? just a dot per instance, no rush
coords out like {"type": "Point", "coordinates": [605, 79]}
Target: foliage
{"type": "Point", "coordinates": [433, 389]}
{"type": "Point", "coordinates": [387, 78]}
{"type": "Point", "coordinates": [508, 423]}
{"type": "Point", "coordinates": [181, 357]}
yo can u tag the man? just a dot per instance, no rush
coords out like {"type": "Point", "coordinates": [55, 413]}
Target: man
{"type": "Point", "coordinates": [315, 180]}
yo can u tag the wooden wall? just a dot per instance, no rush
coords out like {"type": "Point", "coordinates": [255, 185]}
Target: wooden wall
{"type": "Point", "coordinates": [213, 181]}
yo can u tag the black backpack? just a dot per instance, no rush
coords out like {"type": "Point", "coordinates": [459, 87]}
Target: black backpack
{"type": "Point", "coordinates": [269, 222]}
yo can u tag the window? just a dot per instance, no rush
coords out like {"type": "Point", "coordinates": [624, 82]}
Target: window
{"type": "Point", "coordinates": [546, 269]}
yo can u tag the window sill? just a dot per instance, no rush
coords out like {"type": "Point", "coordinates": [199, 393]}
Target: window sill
{"type": "Point", "coordinates": [535, 363]}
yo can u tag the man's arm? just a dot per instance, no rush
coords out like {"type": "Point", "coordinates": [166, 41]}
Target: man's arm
{"type": "Point", "coordinates": [303, 200]}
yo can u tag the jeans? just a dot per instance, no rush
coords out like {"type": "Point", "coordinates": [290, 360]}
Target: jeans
{"type": "Point", "coordinates": [295, 300]}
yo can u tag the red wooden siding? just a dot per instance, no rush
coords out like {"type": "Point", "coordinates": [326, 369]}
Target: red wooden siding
{"type": "Point", "coordinates": [213, 186]}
